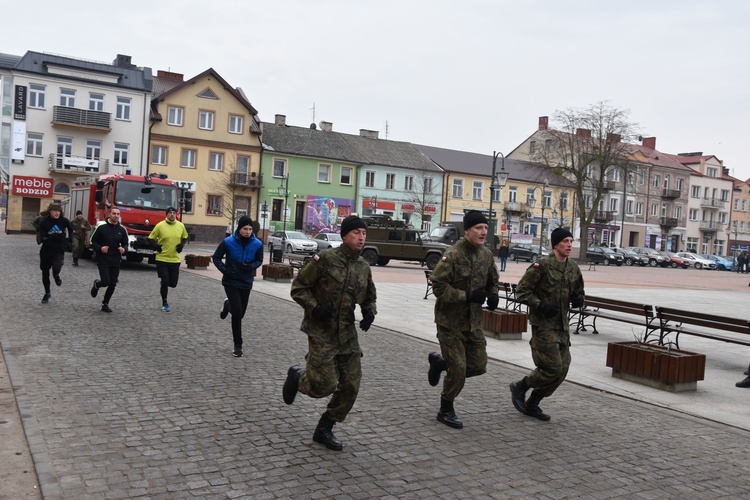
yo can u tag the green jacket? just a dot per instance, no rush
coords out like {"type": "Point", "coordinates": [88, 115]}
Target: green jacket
{"type": "Point", "coordinates": [80, 227]}
{"type": "Point", "coordinates": [463, 268]}
{"type": "Point", "coordinates": [340, 278]}
{"type": "Point", "coordinates": [550, 281]}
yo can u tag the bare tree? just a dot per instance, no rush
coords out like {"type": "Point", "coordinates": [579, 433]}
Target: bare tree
{"type": "Point", "coordinates": [584, 146]}
{"type": "Point", "coordinates": [422, 193]}
{"type": "Point", "coordinates": [231, 184]}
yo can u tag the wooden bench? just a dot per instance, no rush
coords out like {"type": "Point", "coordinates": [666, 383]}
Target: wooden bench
{"type": "Point", "coordinates": [708, 326]}
{"type": "Point", "coordinates": [427, 276]}
{"type": "Point", "coordinates": [617, 310]}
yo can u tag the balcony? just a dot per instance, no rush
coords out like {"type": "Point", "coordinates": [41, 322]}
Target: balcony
{"type": "Point", "coordinates": [76, 165]}
{"type": "Point", "coordinates": [706, 225]}
{"type": "Point", "coordinates": [516, 208]}
{"type": "Point", "coordinates": [670, 193]}
{"type": "Point", "coordinates": [609, 185]}
{"type": "Point", "coordinates": [81, 118]}
{"type": "Point", "coordinates": [668, 222]}
{"type": "Point", "coordinates": [604, 216]}
{"type": "Point", "coordinates": [243, 179]}
{"type": "Point", "coordinates": [713, 203]}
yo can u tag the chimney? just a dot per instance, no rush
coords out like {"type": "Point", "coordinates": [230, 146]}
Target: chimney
{"type": "Point", "coordinates": [326, 126]}
{"type": "Point", "coordinates": [123, 61]}
{"type": "Point", "coordinates": [280, 120]}
{"type": "Point", "coordinates": [649, 142]}
{"type": "Point", "coordinates": [368, 134]}
{"type": "Point", "coordinates": [543, 122]}
{"type": "Point", "coordinates": [583, 133]}
{"type": "Point", "coordinates": [613, 138]}
{"type": "Point", "coordinates": [169, 75]}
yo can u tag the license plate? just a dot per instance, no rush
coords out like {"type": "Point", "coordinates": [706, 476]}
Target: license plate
{"type": "Point", "coordinates": [145, 251]}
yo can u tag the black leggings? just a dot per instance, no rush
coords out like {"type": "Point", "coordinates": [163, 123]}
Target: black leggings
{"type": "Point", "coordinates": [238, 299]}
{"type": "Point", "coordinates": [169, 273]}
{"type": "Point", "coordinates": [49, 261]}
{"type": "Point", "coordinates": [108, 275]}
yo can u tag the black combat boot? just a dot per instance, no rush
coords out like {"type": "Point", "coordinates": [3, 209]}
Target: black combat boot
{"type": "Point", "coordinates": [324, 434]}
{"type": "Point", "coordinates": [532, 407]}
{"type": "Point", "coordinates": [291, 386]}
{"type": "Point", "coordinates": [518, 394]}
{"type": "Point", "coordinates": [437, 366]}
{"type": "Point", "coordinates": [743, 383]}
{"type": "Point", "coordinates": [447, 416]}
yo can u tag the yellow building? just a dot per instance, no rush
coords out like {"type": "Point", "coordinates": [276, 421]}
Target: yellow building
{"type": "Point", "coordinates": [205, 135]}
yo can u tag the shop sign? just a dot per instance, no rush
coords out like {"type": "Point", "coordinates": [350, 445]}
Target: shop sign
{"type": "Point", "coordinates": [36, 187]}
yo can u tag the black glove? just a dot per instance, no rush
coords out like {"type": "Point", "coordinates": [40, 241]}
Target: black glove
{"type": "Point", "coordinates": [548, 310]}
{"type": "Point", "coordinates": [576, 300]}
{"type": "Point", "coordinates": [157, 247]}
{"type": "Point", "coordinates": [323, 313]}
{"type": "Point", "coordinates": [477, 296]}
{"type": "Point", "coordinates": [492, 301]}
{"type": "Point", "coordinates": [367, 318]}
{"type": "Point", "coordinates": [180, 246]}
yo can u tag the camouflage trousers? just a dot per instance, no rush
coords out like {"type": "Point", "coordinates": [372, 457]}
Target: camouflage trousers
{"type": "Point", "coordinates": [465, 355]}
{"type": "Point", "coordinates": [550, 350]}
{"type": "Point", "coordinates": [331, 371]}
{"type": "Point", "coordinates": [79, 243]}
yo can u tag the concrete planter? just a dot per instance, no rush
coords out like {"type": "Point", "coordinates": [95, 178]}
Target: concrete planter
{"type": "Point", "coordinates": [656, 366]}
{"type": "Point", "coordinates": [503, 324]}
{"type": "Point", "coordinates": [199, 262]}
{"type": "Point", "coordinates": [278, 272]}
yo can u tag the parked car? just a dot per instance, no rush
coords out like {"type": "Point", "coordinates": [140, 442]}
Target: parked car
{"type": "Point", "coordinates": [631, 258]}
{"type": "Point", "coordinates": [675, 260]}
{"type": "Point", "coordinates": [697, 261]}
{"type": "Point", "coordinates": [295, 241]}
{"type": "Point", "coordinates": [722, 263]}
{"type": "Point", "coordinates": [654, 258]}
{"type": "Point", "coordinates": [604, 255]}
{"type": "Point", "coordinates": [526, 252]}
{"type": "Point", "coordinates": [327, 240]}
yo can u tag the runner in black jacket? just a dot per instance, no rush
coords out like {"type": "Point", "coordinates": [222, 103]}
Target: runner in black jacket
{"type": "Point", "coordinates": [53, 232]}
{"type": "Point", "coordinates": [110, 242]}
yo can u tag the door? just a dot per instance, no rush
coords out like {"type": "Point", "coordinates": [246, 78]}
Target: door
{"type": "Point", "coordinates": [299, 215]}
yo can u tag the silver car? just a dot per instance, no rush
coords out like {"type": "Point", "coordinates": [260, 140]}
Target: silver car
{"type": "Point", "coordinates": [697, 261]}
{"type": "Point", "coordinates": [327, 240]}
{"type": "Point", "coordinates": [295, 242]}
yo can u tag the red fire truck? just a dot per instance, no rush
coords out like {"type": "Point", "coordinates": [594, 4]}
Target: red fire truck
{"type": "Point", "coordinates": [142, 201]}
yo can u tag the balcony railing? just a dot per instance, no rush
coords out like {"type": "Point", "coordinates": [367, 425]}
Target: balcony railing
{"type": "Point", "coordinates": [708, 225]}
{"type": "Point", "coordinates": [668, 222]}
{"type": "Point", "coordinates": [69, 164]}
{"type": "Point", "coordinates": [99, 120]}
{"type": "Point", "coordinates": [713, 203]}
{"type": "Point", "coordinates": [242, 179]}
{"type": "Point", "coordinates": [604, 216]}
{"type": "Point", "coordinates": [670, 193]}
{"type": "Point", "coordinates": [609, 185]}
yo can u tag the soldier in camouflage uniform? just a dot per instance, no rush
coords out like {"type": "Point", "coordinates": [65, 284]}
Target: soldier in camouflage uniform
{"type": "Point", "coordinates": [550, 287]}
{"type": "Point", "coordinates": [81, 227]}
{"type": "Point", "coordinates": [329, 288]}
{"type": "Point", "coordinates": [465, 277]}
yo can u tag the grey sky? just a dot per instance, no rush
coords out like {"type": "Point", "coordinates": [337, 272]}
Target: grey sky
{"type": "Point", "coordinates": [472, 75]}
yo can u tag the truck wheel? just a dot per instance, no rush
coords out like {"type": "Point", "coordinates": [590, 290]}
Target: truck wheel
{"type": "Point", "coordinates": [134, 258]}
{"type": "Point", "coordinates": [383, 261]}
{"type": "Point", "coordinates": [370, 256]}
{"type": "Point", "coordinates": [432, 260]}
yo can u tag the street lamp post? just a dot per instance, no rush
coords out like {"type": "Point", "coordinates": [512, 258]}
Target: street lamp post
{"type": "Point", "coordinates": [284, 191]}
{"type": "Point", "coordinates": [541, 232]}
{"type": "Point", "coordinates": [499, 179]}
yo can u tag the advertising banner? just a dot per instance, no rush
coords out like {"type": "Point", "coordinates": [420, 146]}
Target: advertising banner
{"type": "Point", "coordinates": [34, 187]}
{"type": "Point", "coordinates": [324, 213]}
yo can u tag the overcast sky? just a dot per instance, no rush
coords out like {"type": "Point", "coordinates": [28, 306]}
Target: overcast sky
{"type": "Point", "coordinates": [473, 75]}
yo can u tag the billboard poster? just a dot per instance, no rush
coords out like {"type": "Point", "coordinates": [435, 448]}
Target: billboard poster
{"type": "Point", "coordinates": [324, 214]}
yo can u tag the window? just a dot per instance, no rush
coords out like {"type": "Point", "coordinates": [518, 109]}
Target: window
{"type": "Point", "coordinates": [121, 154]}
{"type": "Point", "coordinates": [96, 102]}
{"type": "Point", "coordinates": [692, 245]}
{"type": "Point", "coordinates": [588, 201]}
{"type": "Point", "coordinates": [458, 188]}
{"type": "Point", "coordinates": [629, 207]}
{"type": "Point", "coordinates": [279, 168]}
{"type": "Point", "coordinates": [476, 190]}
{"type": "Point", "coordinates": [497, 194]}
{"type": "Point", "coordinates": [712, 171]}
{"type": "Point", "coordinates": [93, 149]}
{"type": "Point", "coordinates": [695, 191]}
{"type": "Point", "coordinates": [206, 120]}
{"type": "Point", "coordinates": [428, 184]}
{"type": "Point", "coordinates": [216, 161]}
{"type": "Point", "coordinates": [409, 183]}
{"type": "Point", "coordinates": [532, 147]}
{"type": "Point", "coordinates": [187, 199]}
{"type": "Point", "coordinates": [243, 169]}
{"type": "Point", "coordinates": [390, 181]}
{"type": "Point", "coordinates": [564, 200]}
{"type": "Point", "coordinates": [679, 184]}
{"type": "Point", "coordinates": [663, 210]}
{"type": "Point", "coordinates": [677, 212]}
{"type": "Point", "coordinates": [123, 109]}
{"type": "Point", "coordinates": [34, 144]}
{"type": "Point", "coordinates": [723, 218]}
{"type": "Point", "coordinates": [547, 199]}
{"type": "Point", "coordinates": [615, 174]}
{"type": "Point", "coordinates": [724, 195]}
{"type": "Point", "coordinates": [61, 188]}
{"type": "Point", "coordinates": [346, 176]}
{"type": "Point", "coordinates": [369, 179]}
{"type": "Point", "coordinates": [276, 209]}
{"type": "Point", "coordinates": [174, 116]}
{"type": "Point", "coordinates": [654, 209]}
{"type": "Point", "coordinates": [657, 181]}
{"type": "Point", "coordinates": [213, 205]}
{"type": "Point", "coordinates": [548, 145]}
{"type": "Point", "coordinates": [235, 124]}
{"type": "Point", "coordinates": [159, 155]}
{"type": "Point", "coordinates": [68, 98]}
{"type": "Point", "coordinates": [641, 176]}
{"type": "Point", "coordinates": [639, 209]}
{"type": "Point", "coordinates": [324, 173]}
{"type": "Point", "coordinates": [37, 95]}
{"type": "Point", "coordinates": [513, 194]}
{"type": "Point", "coordinates": [188, 158]}
{"type": "Point", "coordinates": [613, 204]}
{"type": "Point", "coordinates": [64, 146]}
{"type": "Point", "coordinates": [530, 198]}
{"type": "Point", "coordinates": [743, 205]}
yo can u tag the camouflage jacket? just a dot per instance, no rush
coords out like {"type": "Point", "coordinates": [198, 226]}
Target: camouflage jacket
{"type": "Point", "coordinates": [80, 227]}
{"type": "Point", "coordinates": [340, 278]}
{"type": "Point", "coordinates": [462, 269]}
{"type": "Point", "coordinates": [550, 281]}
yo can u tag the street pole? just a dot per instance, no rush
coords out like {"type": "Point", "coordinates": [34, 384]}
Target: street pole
{"type": "Point", "coordinates": [541, 232]}
{"type": "Point", "coordinates": [285, 187]}
{"type": "Point", "coordinates": [498, 180]}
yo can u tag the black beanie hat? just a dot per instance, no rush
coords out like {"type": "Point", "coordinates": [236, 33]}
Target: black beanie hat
{"type": "Point", "coordinates": [245, 220]}
{"type": "Point", "coordinates": [560, 234]}
{"type": "Point", "coordinates": [171, 209]}
{"type": "Point", "coordinates": [474, 217]}
{"type": "Point", "coordinates": [78, 212]}
{"type": "Point", "coordinates": [350, 223]}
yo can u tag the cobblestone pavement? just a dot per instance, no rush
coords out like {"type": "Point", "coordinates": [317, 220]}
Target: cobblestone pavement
{"type": "Point", "coordinates": [141, 403]}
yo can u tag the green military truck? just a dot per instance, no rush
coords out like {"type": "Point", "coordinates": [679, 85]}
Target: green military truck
{"type": "Point", "coordinates": [389, 239]}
